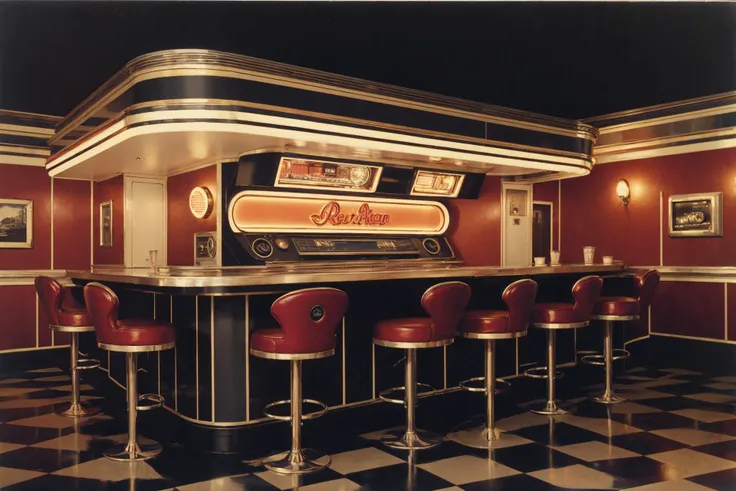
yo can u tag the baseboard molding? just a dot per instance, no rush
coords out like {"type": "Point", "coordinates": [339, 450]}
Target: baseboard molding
{"type": "Point", "coordinates": [690, 354]}
{"type": "Point", "coordinates": [34, 359]}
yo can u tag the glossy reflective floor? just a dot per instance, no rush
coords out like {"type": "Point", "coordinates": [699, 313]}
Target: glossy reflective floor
{"type": "Point", "coordinates": [677, 433]}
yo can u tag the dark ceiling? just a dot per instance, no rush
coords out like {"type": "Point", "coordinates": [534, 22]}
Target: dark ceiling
{"type": "Point", "coordinates": [566, 59]}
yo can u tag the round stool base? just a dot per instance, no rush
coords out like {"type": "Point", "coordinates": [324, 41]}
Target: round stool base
{"type": "Point", "coordinates": [552, 408]}
{"type": "Point", "coordinates": [609, 398]}
{"type": "Point", "coordinates": [477, 437]}
{"type": "Point", "coordinates": [138, 452]}
{"type": "Point", "coordinates": [419, 440]}
{"type": "Point", "coordinates": [303, 462]}
{"type": "Point", "coordinates": [79, 410]}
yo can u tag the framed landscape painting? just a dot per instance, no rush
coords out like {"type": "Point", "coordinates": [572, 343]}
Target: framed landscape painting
{"type": "Point", "coordinates": [16, 223]}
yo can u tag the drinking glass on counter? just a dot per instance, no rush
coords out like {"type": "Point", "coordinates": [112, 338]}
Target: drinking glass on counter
{"type": "Point", "coordinates": [607, 260]}
{"type": "Point", "coordinates": [540, 261]}
{"type": "Point", "coordinates": [589, 254]}
{"type": "Point", "coordinates": [153, 258]}
{"type": "Point", "coordinates": [554, 257]}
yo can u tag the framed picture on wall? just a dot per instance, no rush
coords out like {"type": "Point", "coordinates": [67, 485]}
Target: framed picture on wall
{"type": "Point", "coordinates": [16, 223]}
{"type": "Point", "coordinates": [696, 215]}
{"type": "Point", "coordinates": [106, 224]}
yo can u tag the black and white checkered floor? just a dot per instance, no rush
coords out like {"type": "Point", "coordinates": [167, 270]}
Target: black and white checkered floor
{"type": "Point", "coordinates": [677, 433]}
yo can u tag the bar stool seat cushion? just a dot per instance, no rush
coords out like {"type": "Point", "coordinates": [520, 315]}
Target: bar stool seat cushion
{"type": "Point", "coordinates": [273, 340]}
{"type": "Point", "coordinates": [406, 330]}
{"type": "Point", "coordinates": [270, 341]}
{"type": "Point", "coordinates": [141, 332]}
{"type": "Point", "coordinates": [616, 306]}
{"type": "Point", "coordinates": [556, 313]}
{"type": "Point", "coordinates": [73, 316]}
{"type": "Point", "coordinates": [486, 321]}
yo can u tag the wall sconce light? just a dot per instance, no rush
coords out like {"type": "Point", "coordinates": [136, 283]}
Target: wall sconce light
{"type": "Point", "coordinates": [623, 191]}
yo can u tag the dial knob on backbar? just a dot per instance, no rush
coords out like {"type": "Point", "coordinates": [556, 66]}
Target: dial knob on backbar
{"type": "Point", "coordinates": [262, 248]}
{"type": "Point", "coordinates": [431, 246]}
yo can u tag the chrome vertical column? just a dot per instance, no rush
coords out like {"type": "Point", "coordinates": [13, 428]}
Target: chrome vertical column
{"type": "Point", "coordinates": [551, 406]}
{"type": "Point", "coordinates": [608, 396]}
{"type": "Point", "coordinates": [490, 433]}
{"type": "Point", "coordinates": [76, 409]}
{"type": "Point", "coordinates": [132, 450]}
{"type": "Point", "coordinates": [298, 460]}
{"type": "Point", "coordinates": [412, 438]}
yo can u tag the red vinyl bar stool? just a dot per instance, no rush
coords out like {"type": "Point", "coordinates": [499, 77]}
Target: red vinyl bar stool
{"type": "Point", "coordinates": [611, 309]}
{"type": "Point", "coordinates": [129, 336]}
{"type": "Point", "coordinates": [444, 303]}
{"type": "Point", "coordinates": [560, 315]}
{"type": "Point", "coordinates": [65, 314]}
{"type": "Point", "coordinates": [308, 320]}
{"type": "Point", "coordinates": [490, 325]}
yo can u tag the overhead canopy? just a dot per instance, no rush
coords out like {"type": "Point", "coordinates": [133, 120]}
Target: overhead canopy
{"type": "Point", "coordinates": [168, 111]}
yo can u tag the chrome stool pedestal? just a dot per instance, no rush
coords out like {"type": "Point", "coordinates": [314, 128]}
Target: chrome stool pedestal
{"type": "Point", "coordinates": [411, 438]}
{"type": "Point", "coordinates": [484, 435]}
{"type": "Point", "coordinates": [553, 316]}
{"type": "Point", "coordinates": [606, 360]}
{"type": "Point", "coordinates": [550, 407]}
{"type": "Point", "coordinates": [132, 450]}
{"type": "Point", "coordinates": [298, 460]}
{"type": "Point", "coordinates": [76, 408]}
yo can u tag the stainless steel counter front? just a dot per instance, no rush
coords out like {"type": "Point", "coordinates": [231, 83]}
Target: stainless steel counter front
{"type": "Point", "coordinates": [312, 273]}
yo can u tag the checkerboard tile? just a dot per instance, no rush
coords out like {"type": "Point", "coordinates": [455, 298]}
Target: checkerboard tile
{"type": "Point", "coordinates": [677, 432]}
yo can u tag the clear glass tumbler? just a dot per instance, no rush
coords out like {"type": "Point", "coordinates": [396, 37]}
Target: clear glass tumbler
{"type": "Point", "coordinates": [589, 254]}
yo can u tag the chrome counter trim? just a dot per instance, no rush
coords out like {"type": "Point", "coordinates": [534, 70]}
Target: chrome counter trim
{"type": "Point", "coordinates": [27, 276]}
{"type": "Point", "coordinates": [697, 274]}
{"type": "Point", "coordinates": [310, 273]}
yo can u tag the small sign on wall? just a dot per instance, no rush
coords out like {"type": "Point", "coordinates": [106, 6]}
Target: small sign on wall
{"type": "Point", "coordinates": [106, 224]}
{"type": "Point", "coordinates": [696, 215]}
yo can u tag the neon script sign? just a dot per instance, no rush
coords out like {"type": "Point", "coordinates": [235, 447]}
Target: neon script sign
{"type": "Point", "coordinates": [365, 216]}
{"type": "Point", "coordinates": [301, 213]}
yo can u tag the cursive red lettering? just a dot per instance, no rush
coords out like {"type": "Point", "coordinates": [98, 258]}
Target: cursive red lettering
{"type": "Point", "coordinates": [365, 216]}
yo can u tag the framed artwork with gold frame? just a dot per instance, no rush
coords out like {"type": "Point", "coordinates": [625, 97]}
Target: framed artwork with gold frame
{"type": "Point", "coordinates": [16, 223]}
{"type": "Point", "coordinates": [696, 215]}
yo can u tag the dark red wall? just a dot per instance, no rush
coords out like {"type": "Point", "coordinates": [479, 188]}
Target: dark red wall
{"type": "Point", "coordinates": [475, 226]}
{"type": "Point", "coordinates": [70, 200]}
{"type": "Point", "coordinates": [690, 309]}
{"type": "Point", "coordinates": [18, 320]}
{"type": "Point", "coordinates": [631, 233]}
{"type": "Point", "coordinates": [23, 182]}
{"type": "Point", "coordinates": [182, 225]}
{"type": "Point", "coordinates": [72, 224]}
{"type": "Point", "coordinates": [592, 214]}
{"type": "Point", "coordinates": [112, 189]}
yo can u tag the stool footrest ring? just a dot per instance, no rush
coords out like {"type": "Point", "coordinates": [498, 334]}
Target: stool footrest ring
{"type": "Point", "coordinates": [87, 364]}
{"type": "Point", "coordinates": [312, 415]}
{"type": "Point", "coordinates": [466, 385]}
{"type": "Point", "coordinates": [156, 400]}
{"type": "Point", "coordinates": [541, 373]}
{"type": "Point", "coordinates": [384, 394]}
{"type": "Point", "coordinates": [600, 360]}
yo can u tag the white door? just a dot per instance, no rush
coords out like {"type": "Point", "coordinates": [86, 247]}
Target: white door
{"type": "Point", "coordinates": [516, 226]}
{"type": "Point", "coordinates": [145, 221]}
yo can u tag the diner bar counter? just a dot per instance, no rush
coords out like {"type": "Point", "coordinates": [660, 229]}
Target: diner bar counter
{"type": "Point", "coordinates": [209, 280]}
{"type": "Point", "coordinates": [210, 379]}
